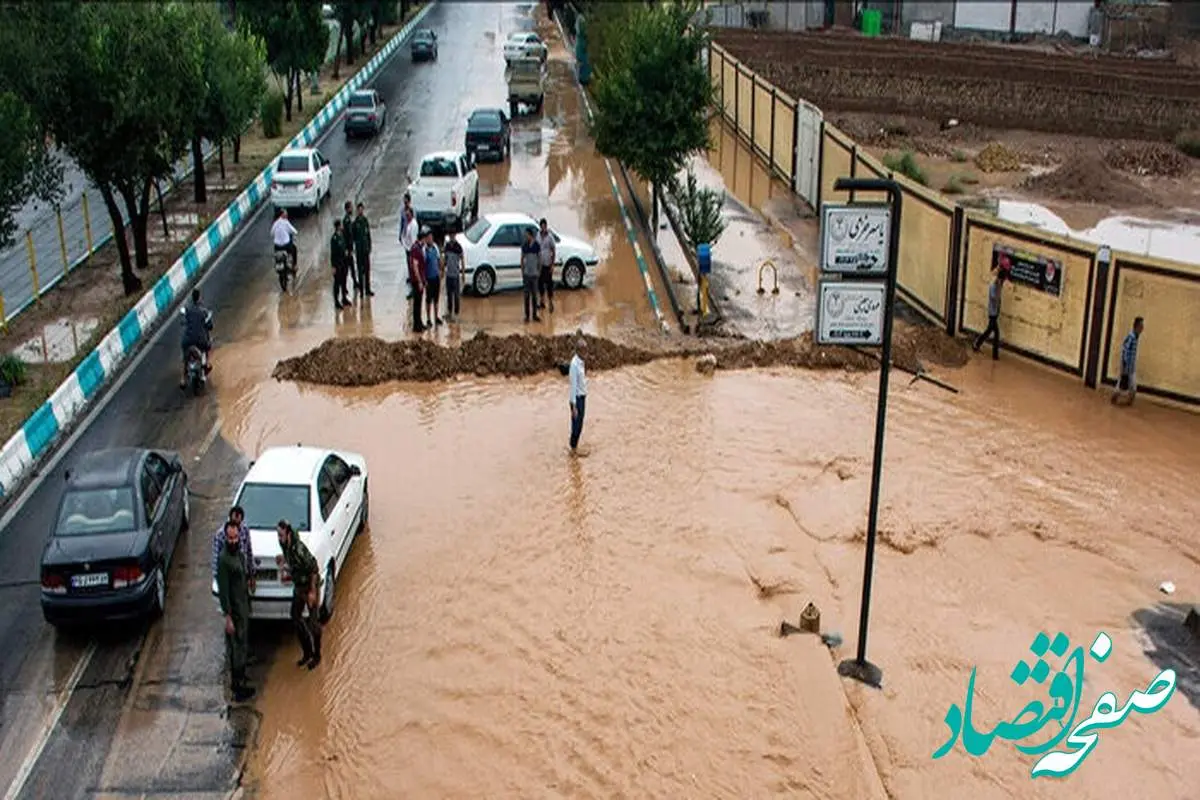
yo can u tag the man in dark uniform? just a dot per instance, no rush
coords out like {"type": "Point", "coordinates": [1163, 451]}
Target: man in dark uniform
{"type": "Point", "coordinates": [348, 233]}
{"type": "Point", "coordinates": [233, 591]}
{"type": "Point", "coordinates": [361, 233]}
{"type": "Point", "coordinates": [337, 261]}
{"type": "Point", "coordinates": [306, 585]}
{"type": "Point", "coordinates": [197, 327]}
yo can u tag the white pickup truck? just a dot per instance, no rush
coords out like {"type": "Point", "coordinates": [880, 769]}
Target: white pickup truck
{"type": "Point", "coordinates": [445, 195]}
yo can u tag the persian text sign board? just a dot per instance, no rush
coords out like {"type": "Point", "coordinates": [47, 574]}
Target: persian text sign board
{"type": "Point", "coordinates": [851, 312]}
{"type": "Point", "coordinates": [854, 238]}
{"type": "Point", "coordinates": [1029, 268]}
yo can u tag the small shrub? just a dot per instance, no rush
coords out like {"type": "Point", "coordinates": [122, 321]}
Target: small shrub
{"type": "Point", "coordinates": [906, 164]}
{"type": "Point", "coordinates": [270, 114]}
{"type": "Point", "coordinates": [1189, 143]}
{"type": "Point", "coordinates": [953, 186]}
{"type": "Point", "coordinates": [12, 370]}
{"type": "Point", "coordinates": [958, 157]}
{"type": "Point", "coordinates": [969, 178]}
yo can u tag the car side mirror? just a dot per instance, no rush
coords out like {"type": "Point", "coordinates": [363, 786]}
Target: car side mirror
{"type": "Point", "coordinates": [355, 470]}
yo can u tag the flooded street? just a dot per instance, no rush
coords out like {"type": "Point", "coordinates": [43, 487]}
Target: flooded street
{"type": "Point", "coordinates": [518, 623]}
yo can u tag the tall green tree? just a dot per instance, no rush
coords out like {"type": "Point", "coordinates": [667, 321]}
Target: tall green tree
{"type": "Point", "coordinates": [351, 14]}
{"type": "Point", "coordinates": [232, 64]}
{"type": "Point", "coordinates": [296, 38]}
{"type": "Point", "coordinates": [653, 95]}
{"type": "Point", "coordinates": [118, 88]}
{"type": "Point", "coordinates": [28, 167]}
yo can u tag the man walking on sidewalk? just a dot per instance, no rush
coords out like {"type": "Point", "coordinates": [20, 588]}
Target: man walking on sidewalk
{"type": "Point", "coordinates": [531, 270]}
{"type": "Point", "coordinates": [546, 254]}
{"type": "Point", "coordinates": [578, 380]}
{"type": "Point", "coordinates": [993, 326]}
{"type": "Point", "coordinates": [361, 234]}
{"type": "Point", "coordinates": [1127, 383]}
{"type": "Point", "coordinates": [233, 592]}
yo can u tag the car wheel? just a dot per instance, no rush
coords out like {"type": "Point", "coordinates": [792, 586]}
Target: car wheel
{"type": "Point", "coordinates": [573, 274]}
{"type": "Point", "coordinates": [366, 508]}
{"type": "Point", "coordinates": [186, 522]}
{"type": "Point", "coordinates": [484, 282]}
{"type": "Point", "coordinates": [325, 613]}
{"type": "Point", "coordinates": [160, 593]}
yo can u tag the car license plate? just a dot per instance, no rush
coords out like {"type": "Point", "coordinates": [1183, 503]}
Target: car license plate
{"type": "Point", "coordinates": [89, 580]}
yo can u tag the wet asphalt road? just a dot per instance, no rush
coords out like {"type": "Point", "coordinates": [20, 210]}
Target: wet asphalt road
{"type": "Point", "coordinates": [143, 710]}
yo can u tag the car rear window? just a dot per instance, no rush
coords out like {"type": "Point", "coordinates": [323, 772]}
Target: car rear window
{"type": "Point", "coordinates": [362, 101]}
{"type": "Point", "coordinates": [438, 168]}
{"type": "Point", "coordinates": [90, 512]}
{"type": "Point", "coordinates": [292, 164]}
{"type": "Point", "coordinates": [477, 230]}
{"type": "Point", "coordinates": [484, 122]}
{"type": "Point", "coordinates": [267, 503]}
{"type": "Point", "coordinates": [423, 37]}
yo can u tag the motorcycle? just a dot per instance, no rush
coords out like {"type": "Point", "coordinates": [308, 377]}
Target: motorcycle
{"type": "Point", "coordinates": [197, 370]}
{"type": "Point", "coordinates": [283, 268]}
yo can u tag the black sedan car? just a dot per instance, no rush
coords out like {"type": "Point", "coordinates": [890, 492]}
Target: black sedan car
{"type": "Point", "coordinates": [424, 45]}
{"type": "Point", "coordinates": [488, 133]}
{"type": "Point", "coordinates": [118, 522]}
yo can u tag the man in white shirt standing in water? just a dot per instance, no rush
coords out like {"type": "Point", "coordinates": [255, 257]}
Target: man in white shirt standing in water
{"type": "Point", "coordinates": [282, 233]}
{"type": "Point", "coordinates": [578, 379]}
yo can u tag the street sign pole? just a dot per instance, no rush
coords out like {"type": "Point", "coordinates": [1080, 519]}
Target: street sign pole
{"type": "Point", "coordinates": [859, 668]}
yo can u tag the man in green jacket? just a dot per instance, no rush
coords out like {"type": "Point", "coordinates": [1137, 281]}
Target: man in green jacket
{"type": "Point", "coordinates": [347, 232]}
{"type": "Point", "coordinates": [362, 251]}
{"type": "Point", "coordinates": [338, 247]}
{"type": "Point", "coordinates": [233, 591]}
{"type": "Point", "coordinates": [306, 586]}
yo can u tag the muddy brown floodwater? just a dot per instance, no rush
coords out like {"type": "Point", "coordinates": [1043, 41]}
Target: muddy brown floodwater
{"type": "Point", "coordinates": [518, 623]}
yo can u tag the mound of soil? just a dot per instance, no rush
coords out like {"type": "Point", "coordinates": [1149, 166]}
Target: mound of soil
{"type": "Point", "coordinates": [998, 158]}
{"type": "Point", "coordinates": [1147, 158]}
{"type": "Point", "coordinates": [1087, 179]}
{"type": "Point", "coordinates": [367, 361]}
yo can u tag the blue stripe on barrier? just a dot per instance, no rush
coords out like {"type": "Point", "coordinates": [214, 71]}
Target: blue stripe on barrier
{"type": "Point", "coordinates": [130, 329]}
{"type": "Point", "coordinates": [252, 192]}
{"type": "Point", "coordinates": [40, 429]}
{"type": "Point", "coordinates": [235, 215]}
{"type": "Point", "coordinates": [214, 237]}
{"type": "Point", "coordinates": [90, 374]}
{"type": "Point", "coordinates": [163, 294]}
{"type": "Point", "coordinates": [191, 264]}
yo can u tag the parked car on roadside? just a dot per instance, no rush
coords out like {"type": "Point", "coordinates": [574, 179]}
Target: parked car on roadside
{"type": "Point", "coordinates": [492, 251]}
{"type": "Point", "coordinates": [445, 195]}
{"type": "Point", "coordinates": [423, 45]}
{"type": "Point", "coordinates": [366, 114]}
{"type": "Point", "coordinates": [526, 78]}
{"type": "Point", "coordinates": [488, 132]}
{"type": "Point", "coordinates": [524, 45]}
{"type": "Point", "coordinates": [301, 179]}
{"type": "Point", "coordinates": [323, 494]}
{"type": "Point", "coordinates": [118, 522]}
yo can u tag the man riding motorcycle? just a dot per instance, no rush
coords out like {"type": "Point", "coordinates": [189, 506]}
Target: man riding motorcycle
{"type": "Point", "coordinates": [197, 324]}
{"type": "Point", "coordinates": [282, 233]}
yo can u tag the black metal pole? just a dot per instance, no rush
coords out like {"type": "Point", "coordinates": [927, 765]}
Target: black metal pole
{"type": "Point", "coordinates": [859, 668]}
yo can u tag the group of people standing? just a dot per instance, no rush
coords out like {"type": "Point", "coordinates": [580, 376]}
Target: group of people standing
{"type": "Point", "coordinates": [350, 255]}
{"type": "Point", "coordinates": [430, 269]}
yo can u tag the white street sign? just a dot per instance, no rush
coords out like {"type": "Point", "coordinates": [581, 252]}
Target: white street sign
{"type": "Point", "coordinates": [850, 312]}
{"type": "Point", "coordinates": [854, 238]}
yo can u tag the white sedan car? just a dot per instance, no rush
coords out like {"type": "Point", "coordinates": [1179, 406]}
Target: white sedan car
{"type": "Point", "coordinates": [301, 179]}
{"type": "Point", "coordinates": [323, 494]}
{"type": "Point", "coordinates": [492, 251]}
{"type": "Point", "coordinates": [524, 45]}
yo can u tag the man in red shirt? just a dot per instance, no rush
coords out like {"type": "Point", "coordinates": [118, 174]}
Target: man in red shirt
{"type": "Point", "coordinates": [416, 278]}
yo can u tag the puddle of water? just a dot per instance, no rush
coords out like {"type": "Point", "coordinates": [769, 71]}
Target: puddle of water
{"type": "Point", "coordinates": [1169, 240]}
{"type": "Point", "coordinates": [58, 342]}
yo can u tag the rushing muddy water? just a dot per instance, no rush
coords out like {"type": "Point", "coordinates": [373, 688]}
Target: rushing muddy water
{"type": "Point", "coordinates": [518, 623]}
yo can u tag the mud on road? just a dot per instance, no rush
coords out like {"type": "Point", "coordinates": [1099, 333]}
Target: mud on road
{"type": "Point", "coordinates": [369, 360]}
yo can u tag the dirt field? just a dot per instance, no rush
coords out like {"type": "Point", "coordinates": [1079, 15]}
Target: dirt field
{"type": "Point", "coordinates": [91, 297]}
{"type": "Point", "coordinates": [979, 84]}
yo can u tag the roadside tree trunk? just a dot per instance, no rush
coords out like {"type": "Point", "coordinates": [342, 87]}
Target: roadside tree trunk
{"type": "Point", "coordinates": [199, 184]}
{"type": "Point", "coordinates": [237, 149]}
{"type": "Point", "coordinates": [337, 57]}
{"type": "Point", "coordinates": [139, 214]}
{"type": "Point", "coordinates": [162, 210]}
{"type": "Point", "coordinates": [654, 210]}
{"type": "Point", "coordinates": [221, 159]}
{"type": "Point", "coordinates": [287, 97]}
{"type": "Point", "coordinates": [130, 282]}
{"type": "Point", "coordinates": [299, 92]}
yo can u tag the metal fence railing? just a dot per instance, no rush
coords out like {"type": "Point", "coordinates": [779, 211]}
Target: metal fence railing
{"type": "Point", "coordinates": [56, 240]}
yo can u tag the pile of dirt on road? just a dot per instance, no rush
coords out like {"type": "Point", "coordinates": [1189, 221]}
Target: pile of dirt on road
{"type": "Point", "coordinates": [1148, 158]}
{"type": "Point", "coordinates": [917, 346]}
{"type": "Point", "coordinates": [998, 158]}
{"type": "Point", "coordinates": [1088, 179]}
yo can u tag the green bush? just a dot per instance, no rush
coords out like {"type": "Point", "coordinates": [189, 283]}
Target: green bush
{"type": "Point", "coordinates": [270, 114]}
{"type": "Point", "coordinates": [959, 157]}
{"type": "Point", "coordinates": [906, 164]}
{"type": "Point", "coordinates": [12, 370]}
{"type": "Point", "coordinates": [1189, 143]}
{"type": "Point", "coordinates": [954, 186]}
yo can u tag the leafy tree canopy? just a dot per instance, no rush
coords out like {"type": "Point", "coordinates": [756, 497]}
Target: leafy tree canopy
{"type": "Point", "coordinates": [293, 32]}
{"type": "Point", "coordinates": [27, 167]}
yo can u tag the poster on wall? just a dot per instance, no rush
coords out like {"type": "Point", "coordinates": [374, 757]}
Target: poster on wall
{"type": "Point", "coordinates": [1029, 269]}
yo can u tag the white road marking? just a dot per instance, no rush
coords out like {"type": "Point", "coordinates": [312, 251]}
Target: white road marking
{"type": "Point", "coordinates": [208, 440]}
{"type": "Point", "coordinates": [60, 705]}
